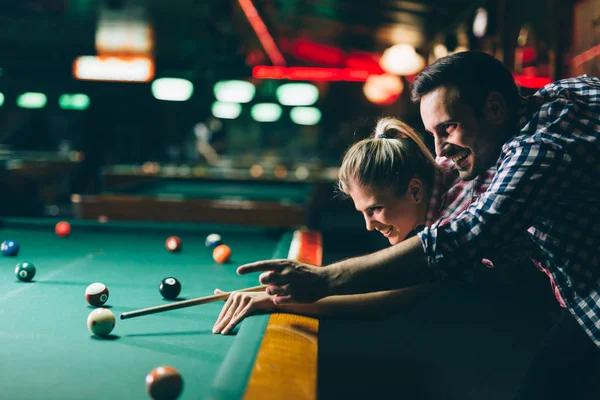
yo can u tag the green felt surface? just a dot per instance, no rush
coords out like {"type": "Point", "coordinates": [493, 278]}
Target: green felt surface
{"type": "Point", "coordinates": [255, 191]}
{"type": "Point", "coordinates": [47, 351]}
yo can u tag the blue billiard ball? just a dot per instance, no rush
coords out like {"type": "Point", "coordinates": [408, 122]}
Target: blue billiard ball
{"type": "Point", "coordinates": [10, 248]}
{"type": "Point", "coordinates": [213, 240]}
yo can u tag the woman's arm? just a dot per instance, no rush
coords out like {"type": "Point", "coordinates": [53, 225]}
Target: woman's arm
{"type": "Point", "coordinates": [377, 305]}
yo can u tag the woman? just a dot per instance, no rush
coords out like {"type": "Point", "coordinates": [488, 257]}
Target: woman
{"type": "Point", "coordinates": [395, 182]}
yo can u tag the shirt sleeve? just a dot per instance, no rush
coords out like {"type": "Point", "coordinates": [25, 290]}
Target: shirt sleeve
{"type": "Point", "coordinates": [532, 173]}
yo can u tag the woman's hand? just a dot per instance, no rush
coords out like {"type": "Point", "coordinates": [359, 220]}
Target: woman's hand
{"type": "Point", "coordinates": [238, 306]}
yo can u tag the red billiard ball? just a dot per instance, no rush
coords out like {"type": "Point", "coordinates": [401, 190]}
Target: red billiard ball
{"type": "Point", "coordinates": [173, 244]}
{"type": "Point", "coordinates": [62, 229]}
{"type": "Point", "coordinates": [96, 294]}
{"type": "Point", "coordinates": [222, 253]}
{"type": "Point", "coordinates": [164, 383]}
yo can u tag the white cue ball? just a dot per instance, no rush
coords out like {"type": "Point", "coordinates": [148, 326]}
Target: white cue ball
{"type": "Point", "coordinates": [96, 294]}
{"type": "Point", "coordinates": [101, 321]}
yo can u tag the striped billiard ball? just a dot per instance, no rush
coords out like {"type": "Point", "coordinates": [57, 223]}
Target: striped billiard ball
{"type": "Point", "coordinates": [173, 244]}
{"type": "Point", "coordinates": [164, 383]}
{"type": "Point", "coordinates": [213, 240]}
{"type": "Point", "coordinates": [96, 294]}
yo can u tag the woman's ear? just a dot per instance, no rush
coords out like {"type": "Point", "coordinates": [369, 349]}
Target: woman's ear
{"type": "Point", "coordinates": [416, 190]}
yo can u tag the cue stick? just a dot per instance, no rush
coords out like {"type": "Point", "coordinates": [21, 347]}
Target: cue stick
{"type": "Point", "coordinates": [187, 303]}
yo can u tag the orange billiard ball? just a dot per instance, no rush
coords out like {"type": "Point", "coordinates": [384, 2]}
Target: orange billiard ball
{"type": "Point", "coordinates": [164, 383]}
{"type": "Point", "coordinates": [62, 229]}
{"type": "Point", "coordinates": [222, 253]}
{"type": "Point", "coordinates": [173, 244]}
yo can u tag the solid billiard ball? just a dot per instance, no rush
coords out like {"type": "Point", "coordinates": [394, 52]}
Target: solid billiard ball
{"type": "Point", "coordinates": [173, 244]}
{"type": "Point", "coordinates": [170, 288]}
{"type": "Point", "coordinates": [62, 229]}
{"type": "Point", "coordinates": [10, 248]}
{"type": "Point", "coordinates": [164, 383]}
{"type": "Point", "coordinates": [213, 240]}
{"type": "Point", "coordinates": [101, 322]}
{"type": "Point", "coordinates": [222, 253]}
{"type": "Point", "coordinates": [96, 294]}
{"type": "Point", "coordinates": [25, 271]}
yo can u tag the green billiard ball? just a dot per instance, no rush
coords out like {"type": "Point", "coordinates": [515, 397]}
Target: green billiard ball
{"type": "Point", "coordinates": [25, 271]}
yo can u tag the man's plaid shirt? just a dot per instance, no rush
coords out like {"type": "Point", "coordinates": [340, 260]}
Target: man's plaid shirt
{"type": "Point", "coordinates": [547, 185]}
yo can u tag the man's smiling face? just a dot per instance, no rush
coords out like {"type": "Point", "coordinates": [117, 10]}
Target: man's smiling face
{"type": "Point", "coordinates": [470, 141]}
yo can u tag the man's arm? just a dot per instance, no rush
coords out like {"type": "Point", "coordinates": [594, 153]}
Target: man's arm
{"type": "Point", "coordinates": [399, 266]}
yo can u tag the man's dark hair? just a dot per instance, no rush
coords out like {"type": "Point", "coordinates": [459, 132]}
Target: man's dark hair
{"type": "Point", "coordinates": [473, 74]}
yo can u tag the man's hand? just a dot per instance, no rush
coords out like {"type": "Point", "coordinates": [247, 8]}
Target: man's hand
{"type": "Point", "coordinates": [290, 280]}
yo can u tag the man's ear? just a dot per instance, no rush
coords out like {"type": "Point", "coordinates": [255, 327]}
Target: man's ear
{"type": "Point", "coordinates": [416, 190]}
{"type": "Point", "coordinates": [495, 109]}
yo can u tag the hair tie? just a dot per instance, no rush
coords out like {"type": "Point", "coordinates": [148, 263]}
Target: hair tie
{"type": "Point", "coordinates": [381, 136]}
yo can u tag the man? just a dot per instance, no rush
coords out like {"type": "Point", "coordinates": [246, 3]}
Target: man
{"type": "Point", "coordinates": [547, 152]}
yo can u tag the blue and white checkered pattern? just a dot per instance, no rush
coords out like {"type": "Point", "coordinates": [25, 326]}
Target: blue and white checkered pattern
{"type": "Point", "coordinates": [548, 185]}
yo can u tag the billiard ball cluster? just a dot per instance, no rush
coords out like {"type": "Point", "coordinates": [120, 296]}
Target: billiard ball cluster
{"type": "Point", "coordinates": [163, 382]}
{"type": "Point", "coordinates": [221, 252]}
{"type": "Point", "coordinates": [25, 271]}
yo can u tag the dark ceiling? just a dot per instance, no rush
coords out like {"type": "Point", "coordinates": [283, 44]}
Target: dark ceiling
{"type": "Point", "coordinates": [212, 38]}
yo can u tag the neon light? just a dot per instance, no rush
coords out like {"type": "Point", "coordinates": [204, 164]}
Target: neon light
{"type": "Point", "coordinates": [266, 112]}
{"type": "Point", "coordinates": [318, 53]}
{"type": "Point", "coordinates": [234, 91]}
{"type": "Point", "coordinates": [311, 73]}
{"type": "Point", "coordinates": [32, 100]}
{"type": "Point", "coordinates": [586, 56]}
{"type": "Point", "coordinates": [532, 82]}
{"type": "Point", "coordinates": [172, 89]}
{"type": "Point", "coordinates": [78, 101]}
{"type": "Point", "coordinates": [262, 32]}
{"type": "Point", "coordinates": [106, 68]}
{"type": "Point", "coordinates": [226, 110]}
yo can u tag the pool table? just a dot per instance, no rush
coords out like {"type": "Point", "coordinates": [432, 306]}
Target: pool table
{"type": "Point", "coordinates": [48, 352]}
{"type": "Point", "coordinates": [256, 203]}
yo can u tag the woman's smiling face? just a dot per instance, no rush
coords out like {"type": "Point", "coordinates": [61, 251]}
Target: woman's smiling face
{"type": "Point", "coordinates": [388, 213]}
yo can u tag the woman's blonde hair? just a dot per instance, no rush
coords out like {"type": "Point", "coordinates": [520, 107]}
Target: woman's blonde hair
{"type": "Point", "coordinates": [393, 156]}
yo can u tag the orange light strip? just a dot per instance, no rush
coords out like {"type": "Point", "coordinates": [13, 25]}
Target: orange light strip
{"type": "Point", "coordinates": [311, 73]}
{"type": "Point", "coordinates": [586, 56]}
{"type": "Point", "coordinates": [262, 32]}
{"type": "Point", "coordinates": [114, 68]}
